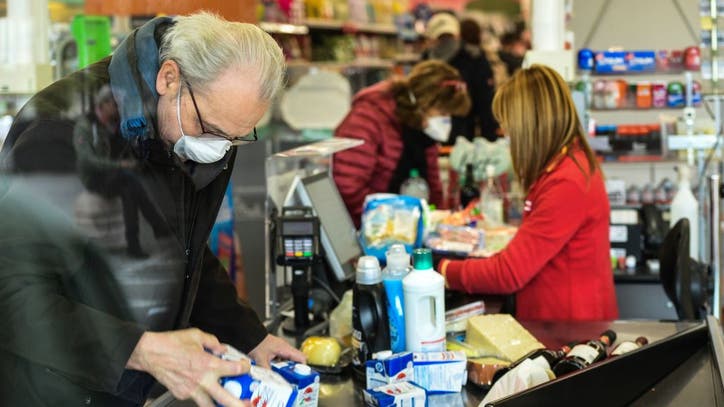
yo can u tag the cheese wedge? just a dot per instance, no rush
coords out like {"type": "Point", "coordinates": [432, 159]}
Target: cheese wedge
{"type": "Point", "coordinates": [500, 335]}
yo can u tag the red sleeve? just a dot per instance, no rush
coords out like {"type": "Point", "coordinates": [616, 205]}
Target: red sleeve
{"type": "Point", "coordinates": [353, 168]}
{"type": "Point", "coordinates": [552, 222]}
{"type": "Point", "coordinates": [433, 176]}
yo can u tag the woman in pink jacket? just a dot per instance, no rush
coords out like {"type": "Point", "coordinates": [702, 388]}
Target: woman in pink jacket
{"type": "Point", "coordinates": [401, 121]}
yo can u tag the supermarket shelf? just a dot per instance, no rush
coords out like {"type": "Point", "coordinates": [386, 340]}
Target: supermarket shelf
{"type": "Point", "coordinates": [633, 109]}
{"type": "Point", "coordinates": [697, 141]}
{"type": "Point", "coordinates": [335, 65]}
{"type": "Point", "coordinates": [323, 24]}
{"type": "Point", "coordinates": [283, 28]}
{"type": "Point", "coordinates": [351, 26]}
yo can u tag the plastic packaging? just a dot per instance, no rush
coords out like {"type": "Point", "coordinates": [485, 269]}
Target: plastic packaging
{"type": "Point", "coordinates": [415, 186]}
{"type": "Point", "coordinates": [340, 320]}
{"type": "Point", "coordinates": [369, 317]}
{"type": "Point", "coordinates": [398, 265]}
{"type": "Point", "coordinates": [685, 205]}
{"type": "Point", "coordinates": [388, 219]}
{"type": "Point", "coordinates": [424, 295]}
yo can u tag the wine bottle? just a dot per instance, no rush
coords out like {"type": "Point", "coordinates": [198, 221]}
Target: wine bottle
{"type": "Point", "coordinates": [469, 191]}
{"type": "Point", "coordinates": [628, 346]}
{"type": "Point", "coordinates": [551, 355]}
{"type": "Point", "coordinates": [585, 354]}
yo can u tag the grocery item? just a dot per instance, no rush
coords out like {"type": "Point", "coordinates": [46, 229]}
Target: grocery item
{"type": "Point", "coordinates": [262, 386]}
{"type": "Point", "coordinates": [370, 326]}
{"type": "Point", "coordinates": [415, 186]}
{"type": "Point", "coordinates": [658, 94]}
{"type": "Point", "coordinates": [398, 265]}
{"type": "Point", "coordinates": [643, 95]}
{"type": "Point", "coordinates": [482, 370]}
{"type": "Point", "coordinates": [321, 350]}
{"type": "Point", "coordinates": [388, 219]}
{"type": "Point", "coordinates": [469, 191]}
{"type": "Point", "coordinates": [303, 378]}
{"type": "Point", "coordinates": [692, 59]}
{"type": "Point", "coordinates": [491, 199]}
{"type": "Point", "coordinates": [675, 92]}
{"type": "Point", "coordinates": [685, 205]}
{"type": "Point", "coordinates": [424, 297]}
{"type": "Point", "coordinates": [628, 346]}
{"type": "Point", "coordinates": [551, 357]}
{"type": "Point", "coordinates": [500, 335]}
{"type": "Point", "coordinates": [585, 59]}
{"type": "Point", "coordinates": [404, 394]}
{"type": "Point", "coordinates": [440, 372]}
{"type": "Point", "coordinates": [385, 368]}
{"type": "Point", "coordinates": [585, 354]}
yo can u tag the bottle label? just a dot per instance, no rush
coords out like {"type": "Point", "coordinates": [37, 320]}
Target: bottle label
{"type": "Point", "coordinates": [585, 352]}
{"type": "Point", "coordinates": [433, 345]}
{"type": "Point", "coordinates": [625, 347]}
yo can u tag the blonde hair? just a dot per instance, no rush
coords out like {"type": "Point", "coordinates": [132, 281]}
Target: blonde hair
{"type": "Point", "coordinates": [430, 84]}
{"type": "Point", "coordinates": [534, 107]}
{"type": "Point", "coordinates": [205, 45]}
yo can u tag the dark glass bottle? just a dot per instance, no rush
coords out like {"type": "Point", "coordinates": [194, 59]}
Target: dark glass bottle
{"type": "Point", "coordinates": [551, 355]}
{"type": "Point", "coordinates": [584, 354]}
{"type": "Point", "coordinates": [469, 191]}
{"type": "Point", "coordinates": [628, 346]}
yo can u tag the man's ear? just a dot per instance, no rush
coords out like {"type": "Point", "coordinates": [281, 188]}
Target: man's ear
{"type": "Point", "coordinates": [168, 78]}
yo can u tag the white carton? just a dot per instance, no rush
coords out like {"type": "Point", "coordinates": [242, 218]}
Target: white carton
{"type": "Point", "coordinates": [440, 372]}
{"type": "Point", "coordinates": [403, 394]}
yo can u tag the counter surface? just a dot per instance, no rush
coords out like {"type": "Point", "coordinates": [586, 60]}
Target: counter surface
{"type": "Point", "coordinates": [337, 391]}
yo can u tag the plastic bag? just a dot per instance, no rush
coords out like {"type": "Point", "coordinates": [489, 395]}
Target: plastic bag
{"type": "Point", "coordinates": [340, 320]}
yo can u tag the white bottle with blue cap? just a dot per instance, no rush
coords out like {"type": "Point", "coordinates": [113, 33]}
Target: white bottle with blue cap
{"type": "Point", "coordinates": [424, 294]}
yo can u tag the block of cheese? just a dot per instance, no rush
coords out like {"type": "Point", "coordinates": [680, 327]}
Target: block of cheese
{"type": "Point", "coordinates": [500, 335]}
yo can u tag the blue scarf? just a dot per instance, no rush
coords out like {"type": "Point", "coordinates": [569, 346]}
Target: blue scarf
{"type": "Point", "coordinates": [133, 69]}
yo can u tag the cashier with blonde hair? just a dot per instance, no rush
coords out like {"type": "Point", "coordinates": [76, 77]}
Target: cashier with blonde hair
{"type": "Point", "coordinates": [558, 264]}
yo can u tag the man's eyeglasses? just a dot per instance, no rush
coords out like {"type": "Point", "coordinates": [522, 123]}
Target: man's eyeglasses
{"type": "Point", "coordinates": [235, 141]}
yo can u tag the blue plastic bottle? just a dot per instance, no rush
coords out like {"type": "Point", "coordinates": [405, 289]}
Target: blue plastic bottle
{"type": "Point", "coordinates": [398, 265]}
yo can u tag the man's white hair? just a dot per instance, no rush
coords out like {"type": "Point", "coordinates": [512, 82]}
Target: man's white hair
{"type": "Point", "coordinates": [205, 45]}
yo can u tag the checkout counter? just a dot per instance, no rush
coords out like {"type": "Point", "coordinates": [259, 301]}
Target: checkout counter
{"type": "Point", "coordinates": [682, 364]}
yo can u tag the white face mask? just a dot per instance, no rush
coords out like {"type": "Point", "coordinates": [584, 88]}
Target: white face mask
{"type": "Point", "coordinates": [438, 128]}
{"type": "Point", "coordinates": [203, 150]}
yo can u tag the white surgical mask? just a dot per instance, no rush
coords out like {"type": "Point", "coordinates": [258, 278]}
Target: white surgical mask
{"type": "Point", "coordinates": [438, 128]}
{"type": "Point", "coordinates": [203, 150]}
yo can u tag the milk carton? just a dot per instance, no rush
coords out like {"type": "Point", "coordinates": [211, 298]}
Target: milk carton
{"type": "Point", "coordinates": [303, 378]}
{"type": "Point", "coordinates": [440, 372]}
{"type": "Point", "coordinates": [262, 387]}
{"type": "Point", "coordinates": [386, 368]}
{"type": "Point", "coordinates": [403, 394]}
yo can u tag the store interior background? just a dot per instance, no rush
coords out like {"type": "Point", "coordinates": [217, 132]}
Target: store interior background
{"type": "Point", "coordinates": [596, 24]}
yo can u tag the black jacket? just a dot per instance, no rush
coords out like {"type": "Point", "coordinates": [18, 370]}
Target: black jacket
{"type": "Point", "coordinates": [73, 303]}
{"type": "Point", "coordinates": [475, 70]}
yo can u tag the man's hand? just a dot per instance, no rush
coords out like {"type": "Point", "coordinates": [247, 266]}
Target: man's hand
{"type": "Point", "coordinates": [272, 347]}
{"type": "Point", "coordinates": [177, 359]}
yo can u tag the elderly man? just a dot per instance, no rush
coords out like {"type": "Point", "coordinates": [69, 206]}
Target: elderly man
{"type": "Point", "coordinates": [85, 322]}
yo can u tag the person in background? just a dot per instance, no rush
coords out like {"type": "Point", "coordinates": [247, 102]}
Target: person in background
{"type": "Point", "coordinates": [402, 121]}
{"type": "Point", "coordinates": [86, 325]}
{"type": "Point", "coordinates": [445, 34]}
{"type": "Point", "coordinates": [558, 264]}
{"type": "Point", "coordinates": [513, 46]}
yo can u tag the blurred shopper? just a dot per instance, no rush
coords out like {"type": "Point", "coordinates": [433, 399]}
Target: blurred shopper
{"type": "Point", "coordinates": [84, 324]}
{"type": "Point", "coordinates": [444, 33]}
{"type": "Point", "coordinates": [402, 121]}
{"type": "Point", "coordinates": [513, 46]}
{"type": "Point", "coordinates": [558, 264]}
